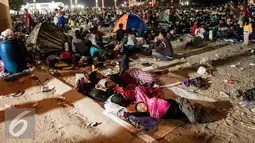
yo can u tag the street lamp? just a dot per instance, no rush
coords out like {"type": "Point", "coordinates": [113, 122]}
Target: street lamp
{"type": "Point", "coordinates": [71, 4]}
{"type": "Point", "coordinates": [102, 3]}
{"type": "Point", "coordinates": [76, 3]}
{"type": "Point", "coordinates": [34, 1]}
{"type": "Point", "coordinates": [96, 4]}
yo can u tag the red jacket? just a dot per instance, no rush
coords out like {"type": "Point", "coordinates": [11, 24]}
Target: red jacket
{"type": "Point", "coordinates": [194, 29]}
{"type": "Point", "coordinates": [27, 19]}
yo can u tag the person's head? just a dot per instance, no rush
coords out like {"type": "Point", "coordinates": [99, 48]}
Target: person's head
{"type": "Point", "coordinates": [141, 107]}
{"type": "Point", "coordinates": [77, 34]}
{"type": "Point", "coordinates": [56, 10]}
{"type": "Point", "coordinates": [246, 22]}
{"type": "Point", "coordinates": [119, 99]}
{"type": "Point", "coordinates": [94, 77]}
{"type": "Point", "coordinates": [26, 11]}
{"type": "Point", "coordinates": [121, 26]}
{"type": "Point", "coordinates": [110, 84]}
{"type": "Point", "coordinates": [128, 31]}
{"type": "Point", "coordinates": [98, 54]}
{"type": "Point", "coordinates": [81, 30]}
{"type": "Point", "coordinates": [95, 28]}
{"type": "Point", "coordinates": [88, 43]}
{"type": "Point", "coordinates": [162, 35]}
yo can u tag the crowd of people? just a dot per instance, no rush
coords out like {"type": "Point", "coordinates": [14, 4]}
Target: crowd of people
{"type": "Point", "coordinates": [131, 85]}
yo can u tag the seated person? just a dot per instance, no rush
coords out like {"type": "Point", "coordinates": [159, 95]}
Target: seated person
{"type": "Point", "coordinates": [83, 33]}
{"type": "Point", "coordinates": [223, 31]}
{"type": "Point", "coordinates": [164, 51]}
{"type": "Point", "coordinates": [92, 37]}
{"type": "Point", "coordinates": [131, 43]}
{"type": "Point", "coordinates": [79, 45]}
{"type": "Point", "coordinates": [99, 34]}
{"type": "Point", "coordinates": [200, 32]}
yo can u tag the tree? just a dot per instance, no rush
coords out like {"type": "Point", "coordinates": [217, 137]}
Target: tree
{"type": "Point", "coordinates": [15, 4]}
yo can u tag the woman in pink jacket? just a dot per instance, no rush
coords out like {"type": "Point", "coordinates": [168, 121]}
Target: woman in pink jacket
{"type": "Point", "coordinates": [158, 108]}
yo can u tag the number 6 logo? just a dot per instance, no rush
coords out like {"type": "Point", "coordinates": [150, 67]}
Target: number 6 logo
{"type": "Point", "coordinates": [16, 121]}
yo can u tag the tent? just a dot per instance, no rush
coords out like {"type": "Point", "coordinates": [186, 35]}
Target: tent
{"type": "Point", "coordinates": [47, 37]}
{"type": "Point", "coordinates": [130, 21]}
{"type": "Point", "coordinates": [167, 17]}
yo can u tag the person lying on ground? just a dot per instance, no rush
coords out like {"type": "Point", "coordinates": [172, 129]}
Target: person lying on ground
{"type": "Point", "coordinates": [114, 104]}
{"type": "Point", "coordinates": [136, 76]}
{"type": "Point", "coordinates": [127, 76]}
{"type": "Point", "coordinates": [164, 51]}
{"type": "Point", "coordinates": [88, 89]}
{"type": "Point", "coordinates": [158, 108]}
{"type": "Point", "coordinates": [101, 54]}
{"type": "Point", "coordinates": [129, 92]}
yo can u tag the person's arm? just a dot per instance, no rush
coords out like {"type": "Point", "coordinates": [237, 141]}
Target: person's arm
{"type": "Point", "coordinates": [73, 47]}
{"type": "Point", "coordinates": [28, 20]}
{"type": "Point", "coordinates": [109, 91]}
{"type": "Point", "coordinates": [140, 114]}
{"type": "Point", "coordinates": [161, 46]}
{"type": "Point", "coordinates": [122, 71]}
{"type": "Point", "coordinates": [250, 28]}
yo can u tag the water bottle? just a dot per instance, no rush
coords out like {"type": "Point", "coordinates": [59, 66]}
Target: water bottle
{"type": "Point", "coordinates": [211, 35]}
{"type": "Point", "coordinates": [93, 67]}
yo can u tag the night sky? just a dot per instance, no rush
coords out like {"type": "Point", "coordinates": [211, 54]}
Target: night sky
{"type": "Point", "coordinates": [86, 3]}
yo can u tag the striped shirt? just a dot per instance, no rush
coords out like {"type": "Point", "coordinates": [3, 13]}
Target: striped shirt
{"type": "Point", "coordinates": [136, 76]}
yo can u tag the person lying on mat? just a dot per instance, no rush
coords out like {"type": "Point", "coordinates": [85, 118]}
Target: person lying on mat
{"type": "Point", "coordinates": [125, 77]}
{"type": "Point", "coordinates": [158, 108]}
{"type": "Point", "coordinates": [134, 75]}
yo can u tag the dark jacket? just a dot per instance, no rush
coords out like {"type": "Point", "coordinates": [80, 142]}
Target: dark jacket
{"type": "Point", "coordinates": [79, 46]}
{"type": "Point", "coordinates": [165, 48]}
{"type": "Point", "coordinates": [120, 34]}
